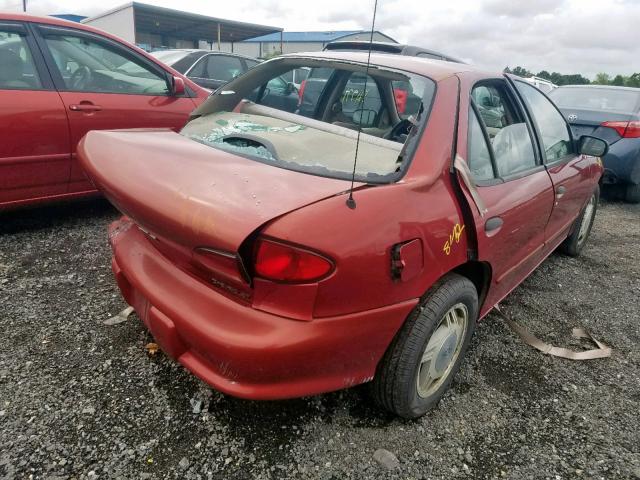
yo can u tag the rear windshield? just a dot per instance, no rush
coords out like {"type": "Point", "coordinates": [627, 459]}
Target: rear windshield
{"type": "Point", "coordinates": [313, 127]}
{"type": "Point", "coordinates": [626, 101]}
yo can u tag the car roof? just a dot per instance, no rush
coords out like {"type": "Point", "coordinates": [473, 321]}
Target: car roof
{"type": "Point", "coordinates": [603, 87]}
{"type": "Point", "coordinates": [388, 47]}
{"type": "Point", "coordinates": [204, 51]}
{"type": "Point", "coordinates": [435, 69]}
{"type": "Point", "coordinates": [23, 17]}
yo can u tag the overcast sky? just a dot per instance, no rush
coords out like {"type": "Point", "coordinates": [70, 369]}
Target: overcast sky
{"type": "Point", "coordinates": [568, 36]}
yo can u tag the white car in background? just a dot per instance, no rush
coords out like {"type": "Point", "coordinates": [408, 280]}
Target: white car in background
{"type": "Point", "coordinates": [541, 84]}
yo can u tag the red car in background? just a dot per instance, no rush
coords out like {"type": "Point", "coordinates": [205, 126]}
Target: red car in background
{"type": "Point", "coordinates": [250, 263]}
{"type": "Point", "coordinates": [58, 80]}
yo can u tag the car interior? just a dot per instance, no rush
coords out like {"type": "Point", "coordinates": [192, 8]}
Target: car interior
{"type": "Point", "coordinates": [507, 131]}
{"type": "Point", "coordinates": [325, 117]}
{"type": "Point", "coordinates": [89, 66]}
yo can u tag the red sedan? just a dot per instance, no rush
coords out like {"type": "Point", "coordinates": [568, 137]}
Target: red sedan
{"type": "Point", "coordinates": [58, 80]}
{"type": "Point", "coordinates": [251, 264]}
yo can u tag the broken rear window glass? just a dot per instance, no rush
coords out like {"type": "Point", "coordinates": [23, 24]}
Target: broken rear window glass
{"type": "Point", "coordinates": [313, 127]}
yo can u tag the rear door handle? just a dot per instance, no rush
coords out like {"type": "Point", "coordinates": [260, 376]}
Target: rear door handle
{"type": "Point", "coordinates": [560, 191]}
{"type": "Point", "coordinates": [85, 107]}
{"type": "Point", "coordinates": [492, 225]}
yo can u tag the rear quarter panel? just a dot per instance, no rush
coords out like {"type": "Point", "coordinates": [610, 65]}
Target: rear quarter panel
{"type": "Point", "coordinates": [421, 206]}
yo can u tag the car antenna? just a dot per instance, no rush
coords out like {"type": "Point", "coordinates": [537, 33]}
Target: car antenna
{"type": "Point", "coordinates": [351, 203]}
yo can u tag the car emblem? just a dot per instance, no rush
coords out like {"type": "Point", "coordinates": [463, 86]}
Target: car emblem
{"type": "Point", "coordinates": [573, 117]}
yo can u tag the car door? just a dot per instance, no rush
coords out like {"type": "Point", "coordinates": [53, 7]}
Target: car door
{"type": "Point", "coordinates": [511, 183]}
{"type": "Point", "coordinates": [214, 70]}
{"type": "Point", "coordinates": [106, 85]}
{"type": "Point", "coordinates": [34, 151]}
{"type": "Point", "coordinates": [569, 172]}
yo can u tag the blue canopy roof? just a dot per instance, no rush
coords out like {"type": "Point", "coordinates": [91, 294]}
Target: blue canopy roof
{"type": "Point", "coordinates": [69, 16]}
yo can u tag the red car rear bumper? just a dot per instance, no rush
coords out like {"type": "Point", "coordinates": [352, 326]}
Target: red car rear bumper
{"type": "Point", "coordinates": [237, 349]}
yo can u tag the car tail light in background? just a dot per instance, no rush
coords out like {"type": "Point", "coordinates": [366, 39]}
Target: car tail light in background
{"type": "Point", "coordinates": [303, 84]}
{"type": "Point", "coordinates": [401, 99]}
{"type": "Point", "coordinates": [286, 263]}
{"type": "Point", "coordinates": [624, 129]}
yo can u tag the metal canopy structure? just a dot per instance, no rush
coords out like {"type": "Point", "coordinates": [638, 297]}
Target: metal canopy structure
{"type": "Point", "coordinates": [176, 23]}
{"type": "Point", "coordinates": [143, 23]}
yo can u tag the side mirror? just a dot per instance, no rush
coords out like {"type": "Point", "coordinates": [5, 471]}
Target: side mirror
{"type": "Point", "coordinates": [177, 86]}
{"type": "Point", "coordinates": [593, 146]}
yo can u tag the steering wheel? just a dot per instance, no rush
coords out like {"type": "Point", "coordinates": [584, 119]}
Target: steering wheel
{"type": "Point", "coordinates": [403, 127]}
{"type": "Point", "coordinates": [80, 78]}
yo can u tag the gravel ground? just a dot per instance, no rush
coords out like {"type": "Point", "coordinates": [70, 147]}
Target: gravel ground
{"type": "Point", "coordinates": [79, 399]}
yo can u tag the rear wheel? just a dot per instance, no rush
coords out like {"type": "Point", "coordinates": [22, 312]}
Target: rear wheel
{"type": "Point", "coordinates": [425, 355]}
{"type": "Point", "coordinates": [575, 242]}
{"type": "Point", "coordinates": [632, 193]}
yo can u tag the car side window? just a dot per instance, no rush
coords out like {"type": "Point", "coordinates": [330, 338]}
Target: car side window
{"type": "Point", "coordinates": [552, 126]}
{"type": "Point", "coordinates": [511, 142]}
{"type": "Point", "coordinates": [223, 67]}
{"type": "Point", "coordinates": [199, 70]}
{"type": "Point", "coordinates": [88, 65]}
{"type": "Point", "coordinates": [358, 104]}
{"type": "Point", "coordinates": [17, 68]}
{"type": "Point", "coordinates": [478, 154]}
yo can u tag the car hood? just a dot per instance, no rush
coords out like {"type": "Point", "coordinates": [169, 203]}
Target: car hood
{"type": "Point", "coordinates": [191, 193]}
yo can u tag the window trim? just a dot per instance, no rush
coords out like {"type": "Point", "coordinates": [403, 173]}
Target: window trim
{"type": "Point", "coordinates": [201, 58]}
{"type": "Point", "coordinates": [543, 154]}
{"type": "Point", "coordinates": [485, 135]}
{"type": "Point", "coordinates": [40, 31]}
{"type": "Point", "coordinates": [517, 104]}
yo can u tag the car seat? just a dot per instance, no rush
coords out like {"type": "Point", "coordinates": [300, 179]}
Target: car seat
{"type": "Point", "coordinates": [513, 149]}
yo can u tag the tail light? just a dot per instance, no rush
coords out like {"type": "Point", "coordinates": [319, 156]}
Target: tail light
{"type": "Point", "coordinates": [401, 99]}
{"type": "Point", "coordinates": [285, 263]}
{"type": "Point", "coordinates": [624, 129]}
{"type": "Point", "coordinates": [303, 84]}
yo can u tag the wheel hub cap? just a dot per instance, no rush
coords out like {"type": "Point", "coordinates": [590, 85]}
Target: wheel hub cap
{"type": "Point", "coordinates": [442, 350]}
{"type": "Point", "coordinates": [586, 220]}
{"type": "Point", "coordinates": [444, 356]}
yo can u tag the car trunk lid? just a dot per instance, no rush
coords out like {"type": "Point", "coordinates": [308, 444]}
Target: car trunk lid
{"type": "Point", "coordinates": [196, 201]}
{"type": "Point", "coordinates": [588, 122]}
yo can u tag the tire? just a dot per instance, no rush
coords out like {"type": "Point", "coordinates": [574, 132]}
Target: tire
{"type": "Point", "coordinates": [581, 230]}
{"type": "Point", "coordinates": [632, 194]}
{"type": "Point", "coordinates": [401, 383]}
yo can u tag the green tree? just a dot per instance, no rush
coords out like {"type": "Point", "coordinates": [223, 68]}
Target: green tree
{"type": "Point", "coordinates": [575, 79]}
{"type": "Point", "coordinates": [633, 81]}
{"type": "Point", "coordinates": [602, 79]}
{"type": "Point", "coordinates": [557, 78]}
{"type": "Point", "coordinates": [521, 72]}
{"type": "Point", "coordinates": [618, 81]}
{"type": "Point", "coordinates": [544, 74]}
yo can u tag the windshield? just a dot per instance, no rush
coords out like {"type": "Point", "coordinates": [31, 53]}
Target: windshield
{"type": "Point", "coordinates": [314, 127]}
{"type": "Point", "coordinates": [626, 101]}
